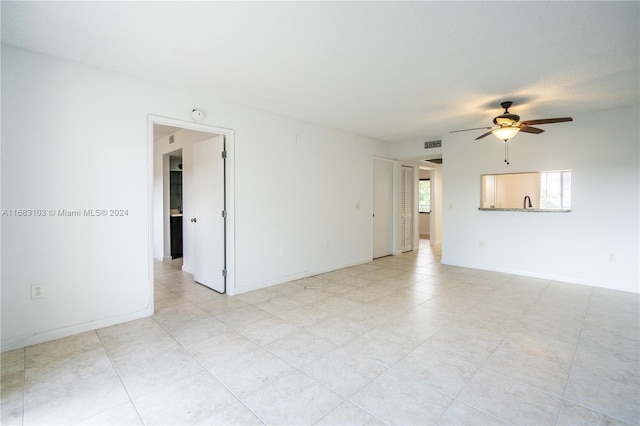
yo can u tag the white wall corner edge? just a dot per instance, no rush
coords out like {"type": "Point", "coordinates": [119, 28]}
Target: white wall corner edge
{"type": "Point", "coordinates": [49, 335]}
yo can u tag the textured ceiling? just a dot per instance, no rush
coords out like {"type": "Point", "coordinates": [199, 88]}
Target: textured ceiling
{"type": "Point", "coordinates": [393, 71]}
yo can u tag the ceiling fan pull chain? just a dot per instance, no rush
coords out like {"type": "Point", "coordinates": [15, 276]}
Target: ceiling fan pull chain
{"type": "Point", "coordinates": [506, 152]}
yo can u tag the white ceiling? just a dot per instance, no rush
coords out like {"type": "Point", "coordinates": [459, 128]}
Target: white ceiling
{"type": "Point", "coordinates": [389, 70]}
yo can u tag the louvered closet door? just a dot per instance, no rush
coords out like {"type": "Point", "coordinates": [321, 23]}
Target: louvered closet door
{"type": "Point", "coordinates": [406, 209]}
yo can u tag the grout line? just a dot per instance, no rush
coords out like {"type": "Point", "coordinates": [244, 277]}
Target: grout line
{"type": "Point", "coordinates": [238, 398]}
{"type": "Point", "coordinates": [124, 386]}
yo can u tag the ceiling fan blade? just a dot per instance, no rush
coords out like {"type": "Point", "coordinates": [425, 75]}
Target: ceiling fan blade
{"type": "Point", "coordinates": [546, 121]}
{"type": "Point", "coordinates": [484, 135]}
{"type": "Point", "coordinates": [529, 129]}
{"type": "Point", "coordinates": [475, 128]}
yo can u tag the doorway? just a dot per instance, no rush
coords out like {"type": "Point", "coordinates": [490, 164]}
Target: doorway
{"type": "Point", "coordinates": [382, 208]}
{"type": "Point", "coordinates": [159, 204]}
{"type": "Point", "coordinates": [175, 204]}
{"type": "Point", "coordinates": [406, 208]}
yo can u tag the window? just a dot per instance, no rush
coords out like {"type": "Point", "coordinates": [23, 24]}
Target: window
{"type": "Point", "coordinates": [424, 202]}
{"type": "Point", "coordinates": [555, 190]}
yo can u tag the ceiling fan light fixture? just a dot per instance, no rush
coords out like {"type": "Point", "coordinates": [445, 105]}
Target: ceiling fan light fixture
{"type": "Point", "coordinates": [505, 133]}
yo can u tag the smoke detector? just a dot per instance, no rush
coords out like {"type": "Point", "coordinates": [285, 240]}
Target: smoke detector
{"type": "Point", "coordinates": [196, 114]}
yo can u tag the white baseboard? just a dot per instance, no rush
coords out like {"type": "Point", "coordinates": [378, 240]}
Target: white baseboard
{"type": "Point", "coordinates": [297, 276]}
{"type": "Point", "coordinates": [551, 277]}
{"type": "Point", "coordinates": [46, 336]}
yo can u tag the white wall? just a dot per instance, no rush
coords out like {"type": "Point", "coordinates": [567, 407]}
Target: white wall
{"type": "Point", "coordinates": [76, 138]}
{"type": "Point", "coordinates": [575, 247]}
{"type": "Point", "coordinates": [437, 209]}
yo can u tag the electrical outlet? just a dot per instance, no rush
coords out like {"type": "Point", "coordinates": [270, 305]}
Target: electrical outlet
{"type": "Point", "coordinates": [37, 291]}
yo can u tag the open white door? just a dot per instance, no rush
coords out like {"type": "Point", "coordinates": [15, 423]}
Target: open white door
{"type": "Point", "coordinates": [208, 219]}
{"type": "Point", "coordinates": [382, 208]}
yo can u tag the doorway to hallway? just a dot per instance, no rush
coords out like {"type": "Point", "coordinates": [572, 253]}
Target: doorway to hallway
{"type": "Point", "coordinates": [207, 205]}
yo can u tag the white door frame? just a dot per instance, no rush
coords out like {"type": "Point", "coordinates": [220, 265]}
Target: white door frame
{"type": "Point", "coordinates": [229, 135]}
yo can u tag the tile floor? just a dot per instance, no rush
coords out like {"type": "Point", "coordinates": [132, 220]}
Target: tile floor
{"type": "Point", "coordinates": [400, 340]}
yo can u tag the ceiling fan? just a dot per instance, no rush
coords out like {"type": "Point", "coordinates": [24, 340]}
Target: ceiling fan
{"type": "Point", "coordinates": [507, 125]}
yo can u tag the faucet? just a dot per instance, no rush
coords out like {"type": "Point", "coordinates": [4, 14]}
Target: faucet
{"type": "Point", "coordinates": [524, 202]}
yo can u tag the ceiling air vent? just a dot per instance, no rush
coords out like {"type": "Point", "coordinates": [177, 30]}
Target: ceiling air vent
{"type": "Point", "coordinates": [432, 144]}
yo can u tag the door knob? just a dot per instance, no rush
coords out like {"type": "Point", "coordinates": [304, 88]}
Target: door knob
{"type": "Point", "coordinates": [193, 219]}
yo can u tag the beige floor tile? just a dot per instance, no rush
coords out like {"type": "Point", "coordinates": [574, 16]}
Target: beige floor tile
{"type": "Point", "coordinates": [471, 345]}
{"type": "Point", "coordinates": [304, 316]}
{"type": "Point", "coordinates": [250, 372]}
{"type": "Point", "coordinates": [565, 331]}
{"type": "Point", "coordinates": [279, 304]}
{"type": "Point", "coordinates": [460, 413]}
{"type": "Point", "coordinates": [443, 372]}
{"type": "Point", "coordinates": [198, 330]}
{"type": "Point", "coordinates": [540, 373]}
{"type": "Point", "coordinates": [603, 395]}
{"type": "Point", "coordinates": [397, 399]}
{"type": "Point", "coordinates": [221, 349]}
{"type": "Point", "coordinates": [607, 301]}
{"type": "Point", "coordinates": [171, 319]}
{"type": "Point", "coordinates": [221, 304]}
{"type": "Point", "coordinates": [300, 348]}
{"type": "Point", "coordinates": [56, 402]}
{"type": "Point", "coordinates": [310, 295]}
{"type": "Point", "coordinates": [413, 327]}
{"type": "Point", "coordinates": [371, 315]}
{"type": "Point", "coordinates": [67, 369]}
{"type": "Point", "coordinates": [337, 330]}
{"type": "Point", "coordinates": [551, 350]}
{"type": "Point", "coordinates": [489, 319]}
{"type": "Point", "coordinates": [574, 414]}
{"type": "Point", "coordinates": [184, 402]}
{"type": "Point", "coordinates": [257, 296]}
{"type": "Point", "coordinates": [266, 331]}
{"type": "Point", "coordinates": [349, 414]}
{"type": "Point", "coordinates": [381, 346]}
{"type": "Point", "coordinates": [12, 397]}
{"type": "Point", "coordinates": [343, 371]}
{"type": "Point", "coordinates": [509, 400]}
{"type": "Point", "coordinates": [242, 316]}
{"type": "Point", "coordinates": [292, 399]}
{"type": "Point", "coordinates": [235, 413]}
{"type": "Point", "coordinates": [145, 375]}
{"type": "Point", "coordinates": [12, 361]}
{"type": "Point", "coordinates": [44, 353]}
{"type": "Point", "coordinates": [124, 414]}
{"type": "Point", "coordinates": [131, 331]}
{"type": "Point", "coordinates": [614, 323]}
{"type": "Point", "coordinates": [337, 305]}
{"type": "Point", "coordinates": [618, 360]}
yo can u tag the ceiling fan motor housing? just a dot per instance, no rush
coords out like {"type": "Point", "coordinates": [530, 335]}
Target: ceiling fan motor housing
{"type": "Point", "coordinates": [506, 119]}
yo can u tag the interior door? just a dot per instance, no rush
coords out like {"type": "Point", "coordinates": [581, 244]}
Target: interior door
{"type": "Point", "coordinates": [382, 208]}
{"type": "Point", "coordinates": [208, 219]}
